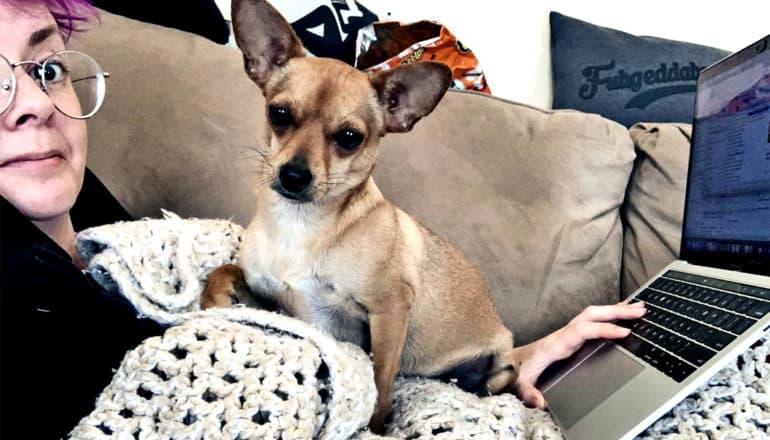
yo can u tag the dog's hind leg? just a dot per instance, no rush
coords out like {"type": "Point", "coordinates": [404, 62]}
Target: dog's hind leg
{"type": "Point", "coordinates": [226, 286]}
{"type": "Point", "coordinates": [504, 372]}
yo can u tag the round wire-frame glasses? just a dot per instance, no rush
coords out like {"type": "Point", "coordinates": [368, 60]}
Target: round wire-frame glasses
{"type": "Point", "coordinates": [60, 76]}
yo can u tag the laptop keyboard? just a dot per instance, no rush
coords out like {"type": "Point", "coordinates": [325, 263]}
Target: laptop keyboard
{"type": "Point", "coordinates": [690, 318]}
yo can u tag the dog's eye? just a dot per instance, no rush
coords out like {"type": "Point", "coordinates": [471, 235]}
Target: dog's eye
{"type": "Point", "coordinates": [280, 117]}
{"type": "Point", "coordinates": [348, 139]}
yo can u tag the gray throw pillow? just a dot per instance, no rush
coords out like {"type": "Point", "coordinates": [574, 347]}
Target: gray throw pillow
{"type": "Point", "coordinates": [624, 77]}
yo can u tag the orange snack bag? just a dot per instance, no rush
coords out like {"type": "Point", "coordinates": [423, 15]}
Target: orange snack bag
{"type": "Point", "coordinates": [384, 45]}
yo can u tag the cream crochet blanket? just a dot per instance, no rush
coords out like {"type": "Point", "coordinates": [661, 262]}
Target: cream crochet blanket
{"type": "Point", "coordinates": [250, 374]}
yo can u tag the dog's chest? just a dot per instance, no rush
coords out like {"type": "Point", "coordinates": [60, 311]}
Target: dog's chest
{"type": "Point", "coordinates": [289, 268]}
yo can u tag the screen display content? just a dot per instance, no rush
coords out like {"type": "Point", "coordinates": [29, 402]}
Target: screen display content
{"type": "Point", "coordinates": [728, 199]}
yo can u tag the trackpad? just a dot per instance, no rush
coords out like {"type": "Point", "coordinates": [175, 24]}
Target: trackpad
{"type": "Point", "coordinates": [590, 383]}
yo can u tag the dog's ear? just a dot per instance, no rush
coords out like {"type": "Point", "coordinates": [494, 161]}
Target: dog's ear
{"type": "Point", "coordinates": [409, 92]}
{"type": "Point", "coordinates": [265, 38]}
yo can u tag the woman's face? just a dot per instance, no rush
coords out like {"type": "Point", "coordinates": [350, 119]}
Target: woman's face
{"type": "Point", "coordinates": [42, 152]}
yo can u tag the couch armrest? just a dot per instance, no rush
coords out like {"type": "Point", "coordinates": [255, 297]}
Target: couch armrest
{"type": "Point", "coordinates": [654, 205]}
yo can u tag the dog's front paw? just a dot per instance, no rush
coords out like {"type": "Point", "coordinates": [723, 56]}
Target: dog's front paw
{"type": "Point", "coordinates": [225, 287]}
{"type": "Point", "coordinates": [377, 422]}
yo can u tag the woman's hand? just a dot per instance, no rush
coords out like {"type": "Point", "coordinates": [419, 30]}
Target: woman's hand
{"type": "Point", "coordinates": [592, 323]}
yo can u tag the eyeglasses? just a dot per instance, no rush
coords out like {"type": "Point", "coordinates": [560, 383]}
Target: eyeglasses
{"type": "Point", "coordinates": [73, 80]}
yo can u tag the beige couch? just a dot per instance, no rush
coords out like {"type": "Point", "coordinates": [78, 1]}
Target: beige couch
{"type": "Point", "coordinates": [559, 209]}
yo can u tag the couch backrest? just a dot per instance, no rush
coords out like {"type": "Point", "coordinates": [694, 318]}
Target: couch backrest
{"type": "Point", "coordinates": [179, 123]}
{"type": "Point", "coordinates": [531, 196]}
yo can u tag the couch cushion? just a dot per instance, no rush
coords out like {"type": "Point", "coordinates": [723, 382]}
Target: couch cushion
{"type": "Point", "coordinates": [177, 124]}
{"type": "Point", "coordinates": [622, 76]}
{"type": "Point", "coordinates": [531, 196]}
{"type": "Point", "coordinates": [655, 203]}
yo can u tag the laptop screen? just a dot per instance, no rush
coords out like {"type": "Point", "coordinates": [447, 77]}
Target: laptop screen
{"type": "Point", "coordinates": [727, 208]}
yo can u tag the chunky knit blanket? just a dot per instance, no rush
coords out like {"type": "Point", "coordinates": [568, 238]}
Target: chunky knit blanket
{"type": "Point", "coordinates": [249, 374]}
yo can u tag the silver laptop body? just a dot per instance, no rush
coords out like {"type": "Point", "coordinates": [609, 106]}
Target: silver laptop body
{"type": "Point", "coordinates": [714, 303]}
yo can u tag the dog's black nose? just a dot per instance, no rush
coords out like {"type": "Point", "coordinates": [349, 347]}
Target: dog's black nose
{"type": "Point", "coordinates": [295, 178]}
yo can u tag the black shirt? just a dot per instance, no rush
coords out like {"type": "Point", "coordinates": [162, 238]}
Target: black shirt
{"type": "Point", "coordinates": [61, 335]}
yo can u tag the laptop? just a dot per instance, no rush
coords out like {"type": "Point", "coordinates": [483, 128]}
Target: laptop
{"type": "Point", "coordinates": [714, 303]}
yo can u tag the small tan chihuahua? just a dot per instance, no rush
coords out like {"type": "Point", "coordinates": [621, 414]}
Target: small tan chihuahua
{"type": "Point", "coordinates": [326, 247]}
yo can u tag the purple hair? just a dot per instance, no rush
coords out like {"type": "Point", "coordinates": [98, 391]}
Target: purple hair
{"type": "Point", "coordinates": [69, 14]}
